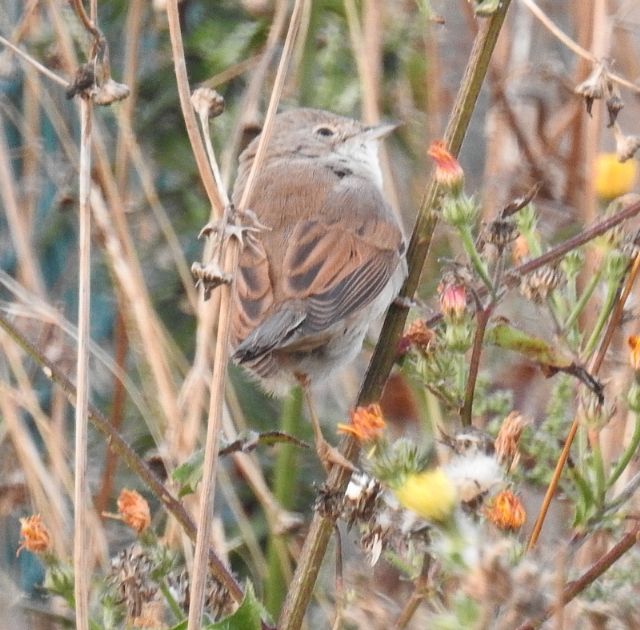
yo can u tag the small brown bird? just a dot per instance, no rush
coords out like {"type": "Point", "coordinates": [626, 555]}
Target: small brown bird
{"type": "Point", "coordinates": [331, 260]}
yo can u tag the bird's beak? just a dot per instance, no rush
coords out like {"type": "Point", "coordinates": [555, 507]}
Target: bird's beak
{"type": "Point", "coordinates": [379, 131]}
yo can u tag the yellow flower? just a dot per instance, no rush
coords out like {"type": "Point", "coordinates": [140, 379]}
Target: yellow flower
{"type": "Point", "coordinates": [35, 535]}
{"type": "Point", "coordinates": [429, 493]}
{"type": "Point", "coordinates": [366, 423]}
{"type": "Point", "coordinates": [134, 510]}
{"type": "Point", "coordinates": [614, 178]}
{"type": "Point", "coordinates": [506, 511]}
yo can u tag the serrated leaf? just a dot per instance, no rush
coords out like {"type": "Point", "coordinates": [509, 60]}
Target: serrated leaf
{"type": "Point", "coordinates": [188, 474]}
{"type": "Point", "coordinates": [248, 616]}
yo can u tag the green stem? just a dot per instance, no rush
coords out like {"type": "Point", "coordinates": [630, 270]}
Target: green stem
{"type": "Point", "coordinates": [284, 484]}
{"type": "Point", "coordinates": [629, 452]}
{"type": "Point", "coordinates": [598, 466]}
{"type": "Point", "coordinates": [583, 486]}
{"type": "Point", "coordinates": [605, 311]}
{"type": "Point", "coordinates": [176, 611]}
{"type": "Point", "coordinates": [584, 298]}
{"type": "Point", "coordinates": [474, 258]}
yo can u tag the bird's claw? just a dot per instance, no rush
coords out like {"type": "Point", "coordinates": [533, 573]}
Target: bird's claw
{"type": "Point", "coordinates": [210, 276]}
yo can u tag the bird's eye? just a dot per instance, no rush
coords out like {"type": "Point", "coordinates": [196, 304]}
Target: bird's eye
{"type": "Point", "coordinates": [324, 131]}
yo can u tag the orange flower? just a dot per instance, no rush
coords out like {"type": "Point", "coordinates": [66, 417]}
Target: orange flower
{"type": "Point", "coordinates": [134, 510]}
{"type": "Point", "coordinates": [35, 535]}
{"type": "Point", "coordinates": [634, 347]}
{"type": "Point", "coordinates": [506, 511]}
{"type": "Point", "coordinates": [418, 336]}
{"type": "Point", "coordinates": [449, 173]}
{"type": "Point", "coordinates": [520, 249]}
{"type": "Point", "coordinates": [366, 423]}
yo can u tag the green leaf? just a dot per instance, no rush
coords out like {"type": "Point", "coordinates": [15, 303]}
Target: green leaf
{"type": "Point", "coordinates": [534, 348]}
{"type": "Point", "coordinates": [247, 617]}
{"type": "Point", "coordinates": [189, 474]}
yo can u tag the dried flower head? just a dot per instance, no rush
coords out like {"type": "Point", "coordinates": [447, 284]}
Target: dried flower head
{"type": "Point", "coordinates": [614, 105]}
{"type": "Point", "coordinates": [361, 498]}
{"type": "Point", "coordinates": [596, 412]}
{"type": "Point", "coordinates": [366, 423]}
{"type": "Point", "coordinates": [131, 574]}
{"type": "Point", "coordinates": [595, 86]}
{"type": "Point", "coordinates": [110, 92]}
{"type": "Point", "coordinates": [134, 510]}
{"type": "Point", "coordinates": [506, 511]}
{"type": "Point", "coordinates": [449, 173]}
{"type": "Point", "coordinates": [626, 146]}
{"type": "Point", "coordinates": [538, 285]}
{"type": "Point", "coordinates": [502, 232]}
{"type": "Point", "coordinates": [507, 441]}
{"type": "Point", "coordinates": [34, 535]}
{"type": "Point", "coordinates": [207, 102]}
{"type": "Point", "coordinates": [417, 336]}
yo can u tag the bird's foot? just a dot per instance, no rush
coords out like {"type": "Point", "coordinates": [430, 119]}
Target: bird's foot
{"type": "Point", "coordinates": [233, 224]}
{"type": "Point", "coordinates": [209, 276]}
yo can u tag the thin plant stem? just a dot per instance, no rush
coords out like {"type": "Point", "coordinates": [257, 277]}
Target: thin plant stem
{"type": "Point", "coordinates": [417, 597]}
{"type": "Point", "coordinates": [36, 64]}
{"type": "Point", "coordinates": [182, 82]}
{"type": "Point", "coordinates": [604, 312]}
{"type": "Point", "coordinates": [482, 319]}
{"type": "Point", "coordinates": [117, 413]}
{"type": "Point", "coordinates": [628, 454]}
{"type": "Point", "coordinates": [284, 484]}
{"type": "Point", "coordinates": [80, 496]}
{"type": "Point", "coordinates": [584, 298]}
{"type": "Point", "coordinates": [476, 262]}
{"type": "Point", "coordinates": [321, 528]}
{"type": "Point", "coordinates": [598, 466]}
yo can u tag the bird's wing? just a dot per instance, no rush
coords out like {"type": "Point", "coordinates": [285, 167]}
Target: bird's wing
{"type": "Point", "coordinates": [334, 256]}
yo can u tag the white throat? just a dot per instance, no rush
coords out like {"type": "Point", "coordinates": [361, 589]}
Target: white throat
{"type": "Point", "coordinates": [365, 158]}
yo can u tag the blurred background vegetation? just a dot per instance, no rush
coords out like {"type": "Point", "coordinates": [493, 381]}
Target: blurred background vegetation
{"type": "Point", "coordinates": [372, 60]}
